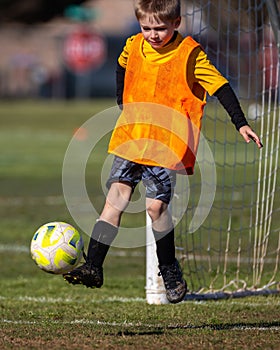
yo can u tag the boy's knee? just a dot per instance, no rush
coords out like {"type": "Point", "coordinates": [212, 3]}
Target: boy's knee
{"type": "Point", "coordinates": [156, 208]}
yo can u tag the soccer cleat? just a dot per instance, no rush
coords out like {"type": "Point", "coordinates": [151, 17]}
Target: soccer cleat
{"type": "Point", "coordinates": [175, 285]}
{"type": "Point", "coordinates": [87, 274]}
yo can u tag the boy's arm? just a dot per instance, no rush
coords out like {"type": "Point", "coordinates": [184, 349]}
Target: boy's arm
{"type": "Point", "coordinates": [120, 70]}
{"type": "Point", "coordinates": [229, 101]}
{"type": "Point", "coordinates": [215, 84]}
{"type": "Point", "coordinates": [120, 73]}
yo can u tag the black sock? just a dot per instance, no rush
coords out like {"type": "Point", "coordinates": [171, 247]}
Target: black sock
{"type": "Point", "coordinates": [165, 247]}
{"type": "Point", "coordinates": [102, 237]}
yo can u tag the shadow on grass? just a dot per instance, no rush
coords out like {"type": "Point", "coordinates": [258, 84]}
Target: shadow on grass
{"type": "Point", "coordinates": [217, 327]}
{"type": "Point", "coordinates": [230, 326]}
{"type": "Point", "coordinates": [139, 333]}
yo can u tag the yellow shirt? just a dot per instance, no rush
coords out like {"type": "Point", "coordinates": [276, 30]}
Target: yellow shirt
{"type": "Point", "coordinates": [204, 73]}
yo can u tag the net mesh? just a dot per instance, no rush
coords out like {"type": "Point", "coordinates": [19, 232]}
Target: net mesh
{"type": "Point", "coordinates": [236, 246]}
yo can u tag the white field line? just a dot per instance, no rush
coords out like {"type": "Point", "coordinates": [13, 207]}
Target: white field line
{"type": "Point", "coordinates": [131, 324]}
{"type": "Point", "coordinates": [12, 248]}
{"type": "Point", "coordinates": [22, 201]}
{"type": "Point", "coordinates": [5, 248]}
{"type": "Point", "coordinates": [51, 300]}
{"type": "Point", "coordinates": [113, 299]}
{"type": "Point", "coordinates": [146, 325]}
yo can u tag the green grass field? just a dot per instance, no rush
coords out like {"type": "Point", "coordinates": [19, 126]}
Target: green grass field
{"type": "Point", "coordinates": [41, 311]}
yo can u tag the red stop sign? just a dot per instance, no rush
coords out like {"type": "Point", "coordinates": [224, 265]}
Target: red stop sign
{"type": "Point", "coordinates": [84, 50]}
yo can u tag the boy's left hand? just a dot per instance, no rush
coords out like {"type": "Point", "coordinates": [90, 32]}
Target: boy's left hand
{"type": "Point", "coordinates": [248, 134]}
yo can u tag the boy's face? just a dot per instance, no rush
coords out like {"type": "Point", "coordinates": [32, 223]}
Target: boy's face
{"type": "Point", "coordinates": [157, 32]}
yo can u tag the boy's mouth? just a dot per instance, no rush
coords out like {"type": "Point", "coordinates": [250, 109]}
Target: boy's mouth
{"type": "Point", "coordinates": [155, 43]}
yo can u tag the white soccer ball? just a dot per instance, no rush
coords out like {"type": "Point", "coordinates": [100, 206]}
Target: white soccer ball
{"type": "Point", "coordinates": [57, 247]}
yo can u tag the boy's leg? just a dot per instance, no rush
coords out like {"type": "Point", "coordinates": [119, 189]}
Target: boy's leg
{"type": "Point", "coordinates": [163, 230]}
{"type": "Point", "coordinates": [105, 230]}
{"type": "Point", "coordinates": [159, 187]}
{"type": "Point", "coordinates": [90, 273]}
{"type": "Point", "coordinates": [165, 246]}
{"type": "Point", "coordinates": [170, 270]}
{"type": "Point", "coordinates": [101, 239]}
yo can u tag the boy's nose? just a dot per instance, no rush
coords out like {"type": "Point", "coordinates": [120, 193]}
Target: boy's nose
{"type": "Point", "coordinates": [154, 34]}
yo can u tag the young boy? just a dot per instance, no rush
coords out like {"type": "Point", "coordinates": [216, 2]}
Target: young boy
{"type": "Point", "coordinates": [156, 66]}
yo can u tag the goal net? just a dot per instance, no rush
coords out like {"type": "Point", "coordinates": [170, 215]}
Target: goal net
{"type": "Point", "coordinates": [226, 215]}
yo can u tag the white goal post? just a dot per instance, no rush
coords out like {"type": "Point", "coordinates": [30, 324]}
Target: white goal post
{"type": "Point", "coordinates": [235, 251]}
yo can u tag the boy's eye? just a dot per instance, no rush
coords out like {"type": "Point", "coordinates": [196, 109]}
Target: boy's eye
{"type": "Point", "coordinates": [147, 29]}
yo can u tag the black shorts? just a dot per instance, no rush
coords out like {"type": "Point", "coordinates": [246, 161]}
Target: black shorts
{"type": "Point", "coordinates": [159, 182]}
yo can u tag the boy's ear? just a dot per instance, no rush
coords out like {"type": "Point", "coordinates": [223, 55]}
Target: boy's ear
{"type": "Point", "coordinates": [177, 22]}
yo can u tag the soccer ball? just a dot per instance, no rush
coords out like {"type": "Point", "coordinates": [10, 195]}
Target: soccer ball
{"type": "Point", "coordinates": [254, 111]}
{"type": "Point", "coordinates": [57, 247]}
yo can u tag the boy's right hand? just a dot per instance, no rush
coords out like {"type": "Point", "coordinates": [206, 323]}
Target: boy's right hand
{"type": "Point", "coordinates": [248, 134]}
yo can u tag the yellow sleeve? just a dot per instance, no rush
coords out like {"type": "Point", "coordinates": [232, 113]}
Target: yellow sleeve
{"type": "Point", "coordinates": [207, 75]}
{"type": "Point", "coordinates": [126, 51]}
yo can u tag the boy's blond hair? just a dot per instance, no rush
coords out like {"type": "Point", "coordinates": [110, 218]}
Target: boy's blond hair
{"type": "Point", "coordinates": [164, 10]}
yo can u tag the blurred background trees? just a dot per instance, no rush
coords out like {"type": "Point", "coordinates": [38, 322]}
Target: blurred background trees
{"type": "Point", "coordinates": [33, 11]}
{"type": "Point", "coordinates": [33, 35]}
